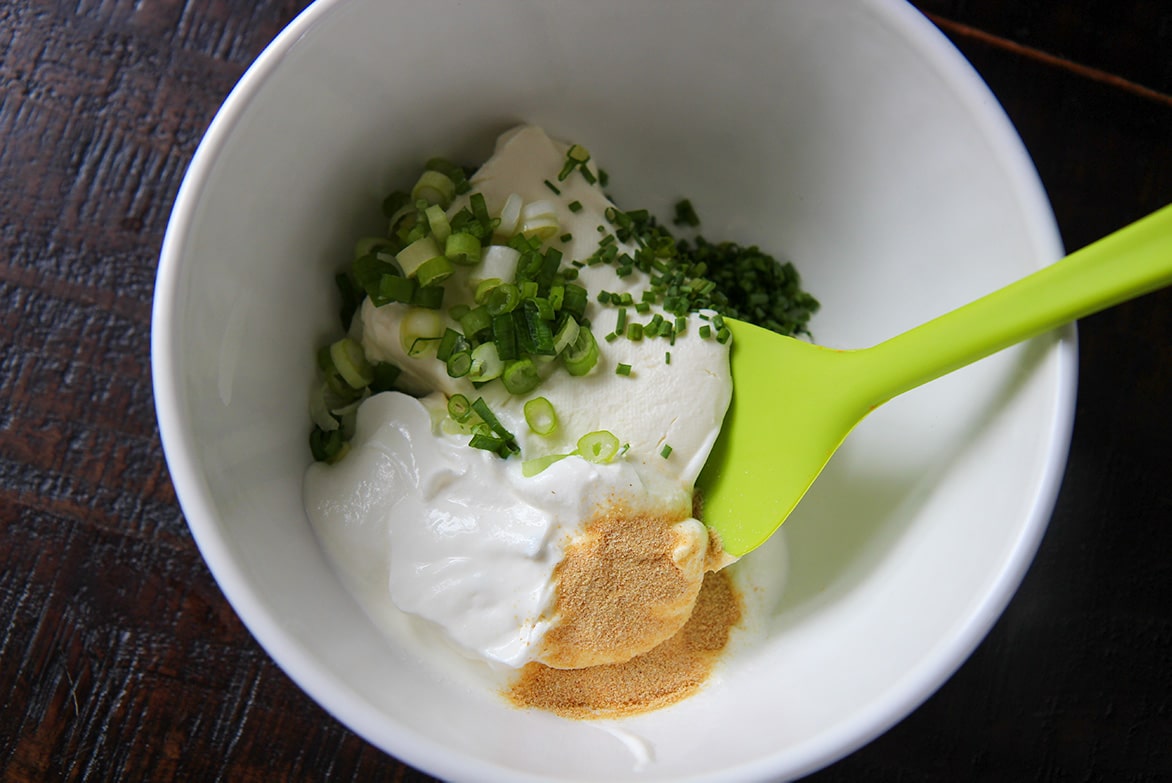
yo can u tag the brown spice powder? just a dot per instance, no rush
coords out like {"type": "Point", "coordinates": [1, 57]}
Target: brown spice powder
{"type": "Point", "coordinates": [624, 587]}
{"type": "Point", "coordinates": [663, 676]}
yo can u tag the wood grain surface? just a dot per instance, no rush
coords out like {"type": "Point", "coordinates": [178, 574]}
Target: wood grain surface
{"type": "Point", "coordinates": [119, 657]}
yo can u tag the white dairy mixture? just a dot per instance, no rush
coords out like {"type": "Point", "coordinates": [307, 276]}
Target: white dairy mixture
{"type": "Point", "coordinates": [414, 517]}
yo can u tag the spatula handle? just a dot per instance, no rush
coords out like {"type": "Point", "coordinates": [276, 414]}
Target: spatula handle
{"type": "Point", "coordinates": [1133, 261]}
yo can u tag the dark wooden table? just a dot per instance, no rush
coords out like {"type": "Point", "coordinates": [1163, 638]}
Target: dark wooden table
{"type": "Point", "coordinates": [121, 660]}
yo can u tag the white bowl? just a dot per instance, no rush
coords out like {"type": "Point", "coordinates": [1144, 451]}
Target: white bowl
{"type": "Point", "coordinates": [847, 136]}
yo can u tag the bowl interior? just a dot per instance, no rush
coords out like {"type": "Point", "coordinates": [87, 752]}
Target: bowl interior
{"type": "Point", "coordinates": [848, 137]}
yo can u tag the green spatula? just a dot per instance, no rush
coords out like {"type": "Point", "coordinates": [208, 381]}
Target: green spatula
{"type": "Point", "coordinates": [793, 403]}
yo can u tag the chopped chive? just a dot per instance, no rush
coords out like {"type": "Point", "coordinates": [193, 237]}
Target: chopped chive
{"type": "Point", "coordinates": [665, 452]}
{"type": "Point", "coordinates": [667, 357]}
{"type": "Point", "coordinates": [685, 214]}
{"type": "Point", "coordinates": [634, 332]}
{"type": "Point", "coordinates": [622, 369]}
{"type": "Point", "coordinates": [706, 331]}
{"type": "Point", "coordinates": [553, 187]}
{"type": "Point", "coordinates": [566, 237]}
{"type": "Point", "coordinates": [575, 206]}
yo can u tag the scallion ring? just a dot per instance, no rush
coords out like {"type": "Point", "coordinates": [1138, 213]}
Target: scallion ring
{"type": "Point", "coordinates": [350, 362]}
{"type": "Point", "coordinates": [520, 376]}
{"type": "Point", "coordinates": [437, 222]}
{"type": "Point", "coordinates": [540, 416]}
{"type": "Point", "coordinates": [486, 363]}
{"type": "Point", "coordinates": [599, 447]}
{"type": "Point", "coordinates": [462, 248]}
{"type": "Point", "coordinates": [459, 408]}
{"type": "Point", "coordinates": [581, 357]}
{"type": "Point", "coordinates": [434, 188]}
{"type": "Point", "coordinates": [504, 298]}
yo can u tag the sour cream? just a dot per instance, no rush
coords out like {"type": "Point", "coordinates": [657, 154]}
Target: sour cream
{"type": "Point", "coordinates": [412, 517]}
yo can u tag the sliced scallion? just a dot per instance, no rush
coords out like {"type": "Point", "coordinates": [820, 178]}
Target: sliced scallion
{"type": "Point", "coordinates": [392, 288]}
{"type": "Point", "coordinates": [429, 296]}
{"type": "Point", "coordinates": [449, 343]}
{"type": "Point", "coordinates": [463, 248]}
{"type": "Point", "coordinates": [504, 334]}
{"type": "Point", "coordinates": [434, 272]}
{"type": "Point", "coordinates": [459, 363]}
{"type": "Point", "coordinates": [484, 287]}
{"type": "Point", "coordinates": [437, 222]}
{"type": "Point", "coordinates": [598, 447]}
{"type": "Point", "coordinates": [475, 322]}
{"type": "Point", "coordinates": [510, 216]}
{"type": "Point", "coordinates": [350, 362]}
{"type": "Point", "coordinates": [486, 363]}
{"type": "Point", "coordinates": [459, 408]}
{"type": "Point", "coordinates": [566, 336]}
{"type": "Point", "coordinates": [480, 408]}
{"type": "Point", "coordinates": [504, 298]}
{"type": "Point", "coordinates": [497, 261]}
{"type": "Point", "coordinates": [434, 187]}
{"type": "Point", "coordinates": [539, 219]}
{"type": "Point", "coordinates": [416, 254]}
{"type": "Point", "coordinates": [520, 376]}
{"type": "Point", "coordinates": [540, 416]}
{"type": "Point", "coordinates": [580, 358]}
{"type": "Point", "coordinates": [531, 467]}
